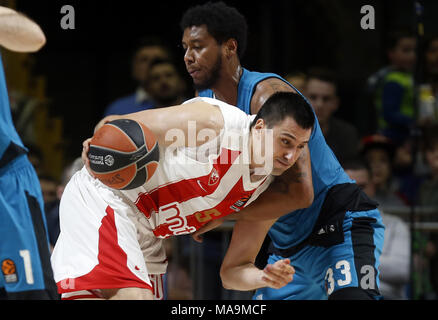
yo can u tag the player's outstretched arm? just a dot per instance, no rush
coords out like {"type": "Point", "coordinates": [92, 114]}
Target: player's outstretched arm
{"type": "Point", "coordinates": [177, 126]}
{"type": "Point", "coordinates": [238, 271]}
{"type": "Point", "coordinates": [19, 33]}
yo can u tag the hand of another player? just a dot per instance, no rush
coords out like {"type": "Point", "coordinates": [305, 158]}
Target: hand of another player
{"type": "Point", "coordinates": [86, 143]}
{"type": "Point", "coordinates": [279, 274]}
{"type": "Point", "coordinates": [197, 235]}
{"type": "Point", "coordinates": [84, 155]}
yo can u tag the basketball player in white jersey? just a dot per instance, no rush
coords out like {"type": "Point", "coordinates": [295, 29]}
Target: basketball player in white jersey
{"type": "Point", "coordinates": [110, 245]}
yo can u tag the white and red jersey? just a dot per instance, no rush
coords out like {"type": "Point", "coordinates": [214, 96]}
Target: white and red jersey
{"type": "Point", "coordinates": [114, 239]}
{"type": "Point", "coordinates": [194, 185]}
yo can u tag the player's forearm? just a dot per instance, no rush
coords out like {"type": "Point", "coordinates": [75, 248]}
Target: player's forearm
{"type": "Point", "coordinates": [243, 278]}
{"type": "Point", "coordinates": [179, 125]}
{"type": "Point", "coordinates": [19, 33]}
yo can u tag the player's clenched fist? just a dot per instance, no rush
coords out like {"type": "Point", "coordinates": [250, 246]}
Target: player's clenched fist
{"type": "Point", "coordinates": [279, 274]}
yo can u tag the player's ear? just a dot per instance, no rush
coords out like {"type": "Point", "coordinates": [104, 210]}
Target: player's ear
{"type": "Point", "coordinates": [260, 124]}
{"type": "Point", "coordinates": [230, 47]}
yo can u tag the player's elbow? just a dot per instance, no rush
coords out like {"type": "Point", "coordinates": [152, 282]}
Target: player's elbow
{"type": "Point", "coordinates": [305, 200]}
{"type": "Point", "coordinates": [30, 43]}
{"type": "Point", "coordinates": [308, 197]}
{"type": "Point", "coordinates": [225, 278]}
{"type": "Point", "coordinates": [38, 41]}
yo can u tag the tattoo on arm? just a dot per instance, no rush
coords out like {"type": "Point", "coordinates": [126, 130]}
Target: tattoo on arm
{"type": "Point", "coordinates": [296, 174]}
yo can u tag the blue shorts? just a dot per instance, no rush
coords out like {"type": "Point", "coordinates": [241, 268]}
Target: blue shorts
{"type": "Point", "coordinates": [339, 254]}
{"type": "Point", "coordinates": [26, 271]}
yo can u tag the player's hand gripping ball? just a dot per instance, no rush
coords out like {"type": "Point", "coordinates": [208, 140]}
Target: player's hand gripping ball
{"type": "Point", "coordinates": [123, 154]}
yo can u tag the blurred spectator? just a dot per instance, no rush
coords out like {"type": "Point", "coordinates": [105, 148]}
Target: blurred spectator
{"type": "Point", "coordinates": [48, 188]}
{"type": "Point", "coordinates": [385, 104]}
{"type": "Point", "coordinates": [164, 84]}
{"type": "Point", "coordinates": [341, 136]}
{"type": "Point", "coordinates": [146, 50]}
{"type": "Point", "coordinates": [431, 62]}
{"type": "Point", "coordinates": [428, 194]}
{"type": "Point", "coordinates": [52, 212]}
{"type": "Point", "coordinates": [396, 253]}
{"type": "Point", "coordinates": [379, 152]}
{"type": "Point", "coordinates": [428, 88]}
{"type": "Point", "coordinates": [394, 96]}
{"type": "Point", "coordinates": [298, 80]}
{"type": "Point", "coordinates": [428, 197]}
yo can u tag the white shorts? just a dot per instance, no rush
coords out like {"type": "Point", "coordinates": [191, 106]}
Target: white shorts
{"type": "Point", "coordinates": [105, 242]}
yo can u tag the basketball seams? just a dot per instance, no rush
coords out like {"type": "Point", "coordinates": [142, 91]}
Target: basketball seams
{"type": "Point", "coordinates": [125, 134]}
{"type": "Point", "coordinates": [114, 150]}
{"type": "Point", "coordinates": [134, 165]}
{"type": "Point", "coordinates": [145, 140]}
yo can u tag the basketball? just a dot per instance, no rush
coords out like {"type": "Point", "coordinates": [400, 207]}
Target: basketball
{"type": "Point", "coordinates": [8, 267]}
{"type": "Point", "coordinates": [123, 154]}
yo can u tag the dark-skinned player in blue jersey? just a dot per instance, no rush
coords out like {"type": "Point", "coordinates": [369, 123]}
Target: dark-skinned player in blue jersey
{"type": "Point", "coordinates": [334, 243]}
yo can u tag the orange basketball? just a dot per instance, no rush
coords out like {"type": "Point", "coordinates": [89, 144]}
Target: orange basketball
{"type": "Point", "coordinates": [123, 154]}
{"type": "Point", "coordinates": [8, 267]}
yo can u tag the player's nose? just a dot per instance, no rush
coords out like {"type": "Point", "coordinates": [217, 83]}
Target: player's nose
{"type": "Point", "coordinates": [188, 57]}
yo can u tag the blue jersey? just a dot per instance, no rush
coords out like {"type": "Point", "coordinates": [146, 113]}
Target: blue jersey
{"type": "Point", "coordinates": [8, 134]}
{"type": "Point", "coordinates": [293, 228]}
{"type": "Point", "coordinates": [26, 272]}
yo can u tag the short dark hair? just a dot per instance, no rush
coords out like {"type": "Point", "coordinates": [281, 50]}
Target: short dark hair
{"type": "Point", "coordinates": [393, 38]}
{"type": "Point", "coordinates": [286, 104]}
{"type": "Point", "coordinates": [323, 74]}
{"type": "Point", "coordinates": [223, 23]}
{"type": "Point", "coordinates": [151, 41]}
{"type": "Point", "coordinates": [158, 61]}
{"type": "Point", "coordinates": [356, 163]}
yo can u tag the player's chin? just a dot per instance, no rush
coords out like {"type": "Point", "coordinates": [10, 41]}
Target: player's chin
{"type": "Point", "coordinates": [278, 171]}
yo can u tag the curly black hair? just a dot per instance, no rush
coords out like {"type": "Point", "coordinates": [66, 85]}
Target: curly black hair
{"type": "Point", "coordinates": [223, 23]}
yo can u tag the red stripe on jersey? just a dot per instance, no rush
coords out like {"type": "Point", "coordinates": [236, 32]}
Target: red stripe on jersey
{"type": "Point", "coordinates": [187, 189]}
{"type": "Point", "coordinates": [236, 198]}
{"type": "Point", "coordinates": [112, 270]}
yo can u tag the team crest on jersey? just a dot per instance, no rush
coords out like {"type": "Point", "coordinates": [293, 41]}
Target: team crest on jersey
{"type": "Point", "coordinates": [214, 177]}
{"type": "Point", "coordinates": [9, 271]}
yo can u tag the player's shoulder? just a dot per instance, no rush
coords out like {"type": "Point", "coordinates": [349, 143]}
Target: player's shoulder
{"type": "Point", "coordinates": [223, 106]}
{"type": "Point", "coordinates": [266, 88]}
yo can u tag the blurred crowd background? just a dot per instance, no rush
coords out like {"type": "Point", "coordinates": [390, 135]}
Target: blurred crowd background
{"type": "Point", "coordinates": [374, 91]}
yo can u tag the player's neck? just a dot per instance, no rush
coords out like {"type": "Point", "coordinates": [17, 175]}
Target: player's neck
{"type": "Point", "coordinates": [226, 86]}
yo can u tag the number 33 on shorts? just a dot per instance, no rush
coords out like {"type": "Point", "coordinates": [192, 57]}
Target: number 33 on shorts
{"type": "Point", "coordinates": [341, 275]}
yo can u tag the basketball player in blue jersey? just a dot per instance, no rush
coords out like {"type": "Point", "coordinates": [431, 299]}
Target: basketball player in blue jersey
{"type": "Point", "coordinates": [334, 243]}
{"type": "Point", "coordinates": [26, 272]}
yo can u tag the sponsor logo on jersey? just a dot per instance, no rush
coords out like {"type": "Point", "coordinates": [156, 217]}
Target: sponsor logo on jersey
{"type": "Point", "coordinates": [239, 204]}
{"type": "Point", "coordinates": [9, 271]}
